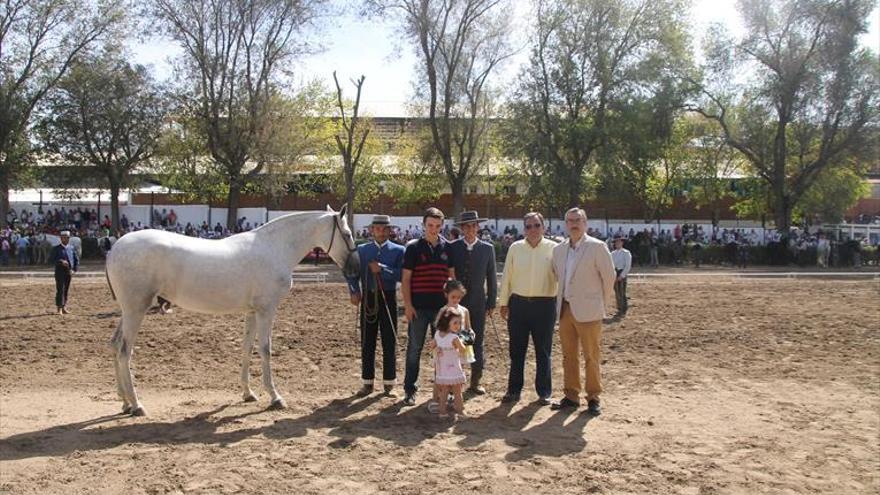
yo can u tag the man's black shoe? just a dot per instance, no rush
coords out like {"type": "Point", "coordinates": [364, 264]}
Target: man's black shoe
{"type": "Point", "coordinates": [593, 408]}
{"type": "Point", "coordinates": [410, 399]}
{"type": "Point", "coordinates": [544, 401]}
{"type": "Point", "coordinates": [565, 403]}
{"type": "Point", "coordinates": [510, 398]}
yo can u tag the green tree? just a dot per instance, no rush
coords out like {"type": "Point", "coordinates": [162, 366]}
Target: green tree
{"type": "Point", "coordinates": [296, 135]}
{"type": "Point", "coordinates": [795, 96]}
{"type": "Point", "coordinates": [39, 39]}
{"type": "Point", "coordinates": [589, 60]}
{"type": "Point", "coordinates": [835, 191]}
{"type": "Point", "coordinates": [351, 138]}
{"type": "Point", "coordinates": [234, 53]}
{"type": "Point", "coordinates": [105, 114]}
{"type": "Point", "coordinates": [460, 44]}
{"type": "Point", "coordinates": [711, 166]}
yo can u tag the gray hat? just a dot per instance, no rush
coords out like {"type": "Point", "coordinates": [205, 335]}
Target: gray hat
{"type": "Point", "coordinates": [383, 220]}
{"type": "Point", "coordinates": [469, 217]}
{"type": "Point", "coordinates": [64, 233]}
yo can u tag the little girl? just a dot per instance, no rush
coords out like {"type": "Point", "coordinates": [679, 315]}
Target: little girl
{"type": "Point", "coordinates": [448, 374]}
{"type": "Point", "coordinates": [455, 291]}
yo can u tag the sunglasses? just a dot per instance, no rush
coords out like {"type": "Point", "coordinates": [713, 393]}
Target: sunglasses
{"type": "Point", "coordinates": [530, 226]}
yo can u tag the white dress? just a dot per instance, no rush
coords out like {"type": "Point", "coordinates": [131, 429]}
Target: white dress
{"type": "Point", "coordinates": [447, 361]}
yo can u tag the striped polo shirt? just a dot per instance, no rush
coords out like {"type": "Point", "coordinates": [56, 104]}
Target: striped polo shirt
{"type": "Point", "coordinates": [430, 270]}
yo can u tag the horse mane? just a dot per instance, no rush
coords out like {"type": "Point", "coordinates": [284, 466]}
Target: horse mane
{"type": "Point", "coordinates": [279, 222]}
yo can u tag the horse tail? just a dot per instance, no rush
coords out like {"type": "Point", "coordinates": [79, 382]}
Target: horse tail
{"type": "Point", "coordinates": [107, 276]}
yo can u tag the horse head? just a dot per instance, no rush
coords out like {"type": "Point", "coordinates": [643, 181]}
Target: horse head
{"type": "Point", "coordinates": [341, 248]}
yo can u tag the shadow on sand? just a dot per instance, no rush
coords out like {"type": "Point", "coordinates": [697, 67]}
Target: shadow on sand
{"type": "Point", "coordinates": [405, 427]}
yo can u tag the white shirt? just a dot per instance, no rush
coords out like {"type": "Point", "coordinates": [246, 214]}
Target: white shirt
{"type": "Point", "coordinates": [470, 246]}
{"type": "Point", "coordinates": [571, 257]}
{"type": "Point", "coordinates": [622, 261]}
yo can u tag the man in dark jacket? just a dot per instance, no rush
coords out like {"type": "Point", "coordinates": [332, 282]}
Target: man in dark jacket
{"type": "Point", "coordinates": [375, 290]}
{"type": "Point", "coordinates": [66, 264]}
{"type": "Point", "coordinates": [474, 263]}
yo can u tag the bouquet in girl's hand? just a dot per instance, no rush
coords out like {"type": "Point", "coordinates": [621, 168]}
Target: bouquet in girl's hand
{"type": "Point", "coordinates": [467, 337]}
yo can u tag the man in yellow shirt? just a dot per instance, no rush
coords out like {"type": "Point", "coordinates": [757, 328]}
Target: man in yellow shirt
{"type": "Point", "coordinates": [528, 302]}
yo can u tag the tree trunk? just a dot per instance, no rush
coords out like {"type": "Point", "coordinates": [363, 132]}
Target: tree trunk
{"type": "Point", "coordinates": [783, 215]}
{"type": "Point", "coordinates": [232, 205]}
{"type": "Point", "coordinates": [114, 206]}
{"type": "Point", "coordinates": [4, 198]}
{"type": "Point", "coordinates": [349, 200]}
{"type": "Point", "coordinates": [457, 198]}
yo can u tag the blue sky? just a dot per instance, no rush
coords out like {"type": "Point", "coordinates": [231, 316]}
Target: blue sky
{"type": "Point", "coordinates": [357, 46]}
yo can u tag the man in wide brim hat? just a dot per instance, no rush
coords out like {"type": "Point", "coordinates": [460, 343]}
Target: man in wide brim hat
{"type": "Point", "coordinates": [473, 261]}
{"type": "Point", "coordinates": [469, 217]}
{"type": "Point", "coordinates": [381, 270]}
{"type": "Point", "coordinates": [381, 220]}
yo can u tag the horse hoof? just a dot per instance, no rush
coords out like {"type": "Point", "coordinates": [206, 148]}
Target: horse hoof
{"type": "Point", "coordinates": [138, 411]}
{"type": "Point", "coordinates": [250, 398]}
{"type": "Point", "coordinates": [126, 409]}
{"type": "Point", "coordinates": [277, 405]}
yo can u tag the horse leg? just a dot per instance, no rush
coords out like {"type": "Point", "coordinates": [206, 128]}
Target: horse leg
{"type": "Point", "coordinates": [131, 323]}
{"type": "Point", "coordinates": [247, 349]}
{"type": "Point", "coordinates": [115, 344]}
{"type": "Point", "coordinates": [264, 319]}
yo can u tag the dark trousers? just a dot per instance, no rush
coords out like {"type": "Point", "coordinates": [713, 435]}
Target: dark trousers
{"type": "Point", "coordinates": [416, 334]}
{"type": "Point", "coordinates": [375, 321]}
{"type": "Point", "coordinates": [62, 286]}
{"type": "Point", "coordinates": [620, 294]}
{"type": "Point", "coordinates": [478, 322]}
{"type": "Point", "coordinates": [535, 318]}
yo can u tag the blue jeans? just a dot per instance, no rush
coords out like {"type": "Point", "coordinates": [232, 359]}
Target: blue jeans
{"type": "Point", "coordinates": [536, 319]}
{"type": "Point", "coordinates": [416, 334]}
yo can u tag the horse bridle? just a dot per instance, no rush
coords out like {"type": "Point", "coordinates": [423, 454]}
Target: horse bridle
{"type": "Point", "coordinates": [333, 237]}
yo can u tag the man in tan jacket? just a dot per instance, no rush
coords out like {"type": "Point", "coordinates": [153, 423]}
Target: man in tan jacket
{"type": "Point", "coordinates": [586, 276]}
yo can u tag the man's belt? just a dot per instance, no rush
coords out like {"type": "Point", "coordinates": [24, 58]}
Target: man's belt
{"type": "Point", "coordinates": [533, 299]}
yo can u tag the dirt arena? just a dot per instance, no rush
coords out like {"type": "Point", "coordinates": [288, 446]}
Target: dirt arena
{"type": "Point", "coordinates": [722, 386]}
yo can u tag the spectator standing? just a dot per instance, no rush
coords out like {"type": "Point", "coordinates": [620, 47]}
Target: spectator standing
{"type": "Point", "coordinates": [376, 291]}
{"type": "Point", "coordinates": [473, 261]}
{"type": "Point", "coordinates": [66, 264]}
{"type": "Point", "coordinates": [586, 273]}
{"type": "Point", "coordinates": [426, 268]}
{"type": "Point", "coordinates": [21, 247]}
{"type": "Point", "coordinates": [527, 303]}
{"type": "Point", "coordinates": [622, 259]}
{"type": "Point", "coordinates": [4, 251]}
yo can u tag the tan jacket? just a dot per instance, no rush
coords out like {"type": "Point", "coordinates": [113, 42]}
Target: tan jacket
{"type": "Point", "coordinates": [592, 284]}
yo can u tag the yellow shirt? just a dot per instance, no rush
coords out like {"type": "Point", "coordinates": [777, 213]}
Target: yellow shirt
{"type": "Point", "coordinates": [528, 271]}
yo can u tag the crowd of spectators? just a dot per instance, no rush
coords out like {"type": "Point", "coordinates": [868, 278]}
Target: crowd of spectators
{"type": "Point", "coordinates": [681, 244]}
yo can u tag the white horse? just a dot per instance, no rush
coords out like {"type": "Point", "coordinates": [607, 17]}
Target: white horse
{"type": "Point", "coordinates": [245, 273]}
{"type": "Point", "coordinates": [102, 243]}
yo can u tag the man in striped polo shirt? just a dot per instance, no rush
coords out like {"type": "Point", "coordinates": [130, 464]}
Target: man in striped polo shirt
{"type": "Point", "coordinates": [426, 268]}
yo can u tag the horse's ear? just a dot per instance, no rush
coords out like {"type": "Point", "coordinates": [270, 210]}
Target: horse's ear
{"type": "Point", "coordinates": [343, 210]}
{"type": "Point", "coordinates": [329, 209]}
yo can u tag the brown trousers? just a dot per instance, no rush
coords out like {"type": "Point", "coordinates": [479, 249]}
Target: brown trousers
{"type": "Point", "coordinates": [574, 336]}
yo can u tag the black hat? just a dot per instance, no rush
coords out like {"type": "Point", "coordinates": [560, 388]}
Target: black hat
{"type": "Point", "coordinates": [383, 220]}
{"type": "Point", "coordinates": [469, 217]}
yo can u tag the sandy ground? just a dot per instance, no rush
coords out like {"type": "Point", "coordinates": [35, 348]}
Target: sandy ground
{"type": "Point", "coordinates": [721, 386]}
